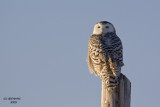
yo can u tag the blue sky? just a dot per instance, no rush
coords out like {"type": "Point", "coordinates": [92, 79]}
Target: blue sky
{"type": "Point", "coordinates": [43, 47]}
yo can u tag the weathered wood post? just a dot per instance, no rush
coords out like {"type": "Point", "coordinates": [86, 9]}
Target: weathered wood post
{"type": "Point", "coordinates": [118, 96]}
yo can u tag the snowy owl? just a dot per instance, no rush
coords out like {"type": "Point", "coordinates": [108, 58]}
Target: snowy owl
{"type": "Point", "coordinates": [105, 56]}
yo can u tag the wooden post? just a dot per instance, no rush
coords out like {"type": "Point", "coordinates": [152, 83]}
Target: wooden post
{"type": "Point", "coordinates": [118, 96]}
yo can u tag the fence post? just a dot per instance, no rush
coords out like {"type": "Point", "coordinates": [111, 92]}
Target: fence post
{"type": "Point", "coordinates": [119, 96]}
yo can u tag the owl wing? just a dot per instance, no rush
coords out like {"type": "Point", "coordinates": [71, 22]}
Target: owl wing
{"type": "Point", "coordinates": [117, 50]}
{"type": "Point", "coordinates": [114, 49]}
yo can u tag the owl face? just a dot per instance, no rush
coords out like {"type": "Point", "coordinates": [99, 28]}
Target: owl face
{"type": "Point", "coordinates": [103, 27]}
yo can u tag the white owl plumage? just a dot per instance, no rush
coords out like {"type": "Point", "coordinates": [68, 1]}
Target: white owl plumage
{"type": "Point", "coordinates": [105, 53]}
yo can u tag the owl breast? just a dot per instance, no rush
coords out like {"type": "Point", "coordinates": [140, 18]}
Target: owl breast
{"type": "Point", "coordinates": [95, 57]}
{"type": "Point", "coordinates": [95, 49]}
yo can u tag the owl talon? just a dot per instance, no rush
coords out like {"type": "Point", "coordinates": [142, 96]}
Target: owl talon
{"type": "Point", "coordinates": [112, 82]}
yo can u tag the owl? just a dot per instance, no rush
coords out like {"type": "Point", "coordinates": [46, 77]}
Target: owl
{"type": "Point", "coordinates": [105, 53]}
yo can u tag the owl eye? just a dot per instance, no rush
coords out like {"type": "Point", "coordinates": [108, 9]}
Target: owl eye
{"type": "Point", "coordinates": [98, 26]}
{"type": "Point", "coordinates": [107, 26]}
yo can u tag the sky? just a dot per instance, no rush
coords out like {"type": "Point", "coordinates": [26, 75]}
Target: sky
{"type": "Point", "coordinates": [44, 45]}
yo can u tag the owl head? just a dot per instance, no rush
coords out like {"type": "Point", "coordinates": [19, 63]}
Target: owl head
{"type": "Point", "coordinates": [103, 27]}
